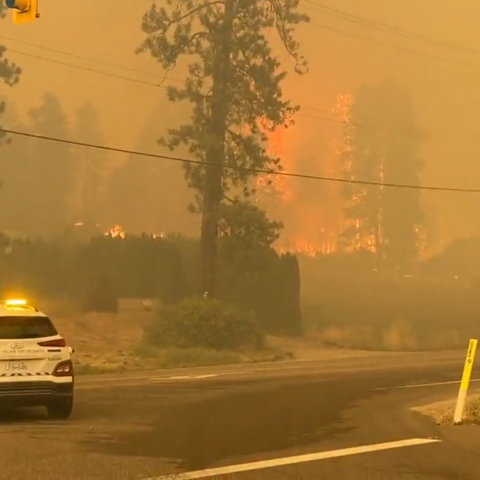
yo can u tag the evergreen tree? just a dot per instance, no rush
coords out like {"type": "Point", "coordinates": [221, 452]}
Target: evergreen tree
{"type": "Point", "coordinates": [140, 191]}
{"type": "Point", "coordinates": [51, 167]}
{"type": "Point", "coordinates": [91, 164]}
{"type": "Point", "coordinates": [15, 201]}
{"type": "Point", "coordinates": [403, 216]}
{"type": "Point", "coordinates": [234, 87]}
{"type": "Point", "coordinates": [381, 144]}
{"type": "Point", "coordinates": [361, 160]}
{"type": "Point", "coordinates": [248, 225]}
{"type": "Point", "coordinates": [131, 197]}
{"type": "Point", "coordinates": [9, 72]}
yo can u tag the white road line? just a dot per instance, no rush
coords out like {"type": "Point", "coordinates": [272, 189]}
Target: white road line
{"type": "Point", "coordinates": [196, 377]}
{"type": "Point", "coordinates": [422, 385]}
{"type": "Point", "coordinates": [281, 462]}
{"type": "Point", "coordinates": [86, 384]}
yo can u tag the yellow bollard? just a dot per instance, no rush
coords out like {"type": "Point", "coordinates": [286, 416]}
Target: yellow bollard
{"type": "Point", "coordinates": [465, 382]}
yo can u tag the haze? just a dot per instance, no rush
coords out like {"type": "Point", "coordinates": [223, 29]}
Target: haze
{"type": "Point", "coordinates": [445, 94]}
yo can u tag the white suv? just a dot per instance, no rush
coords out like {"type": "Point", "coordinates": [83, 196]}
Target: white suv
{"type": "Point", "coordinates": [35, 362]}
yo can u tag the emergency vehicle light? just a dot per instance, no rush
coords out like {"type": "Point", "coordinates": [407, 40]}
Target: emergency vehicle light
{"type": "Point", "coordinates": [16, 302]}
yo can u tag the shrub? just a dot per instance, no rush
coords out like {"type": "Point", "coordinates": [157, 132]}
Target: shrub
{"type": "Point", "coordinates": [205, 323]}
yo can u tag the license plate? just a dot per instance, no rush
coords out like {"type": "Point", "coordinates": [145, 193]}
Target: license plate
{"type": "Point", "coordinates": [16, 367]}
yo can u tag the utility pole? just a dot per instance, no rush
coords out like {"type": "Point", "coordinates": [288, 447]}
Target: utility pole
{"type": "Point", "coordinates": [215, 155]}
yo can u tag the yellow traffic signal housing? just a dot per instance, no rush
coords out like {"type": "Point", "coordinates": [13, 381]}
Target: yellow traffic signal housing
{"type": "Point", "coordinates": [24, 11]}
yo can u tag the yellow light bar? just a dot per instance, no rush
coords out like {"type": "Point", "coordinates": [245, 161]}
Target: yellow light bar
{"type": "Point", "coordinates": [16, 302]}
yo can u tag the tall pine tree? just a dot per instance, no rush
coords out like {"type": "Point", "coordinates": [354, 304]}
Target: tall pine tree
{"type": "Point", "coordinates": [381, 144]}
{"type": "Point", "coordinates": [52, 166]}
{"type": "Point", "coordinates": [15, 201]}
{"type": "Point", "coordinates": [10, 75]}
{"type": "Point", "coordinates": [90, 163]}
{"type": "Point", "coordinates": [9, 72]}
{"type": "Point", "coordinates": [149, 194]}
{"type": "Point", "coordinates": [234, 86]}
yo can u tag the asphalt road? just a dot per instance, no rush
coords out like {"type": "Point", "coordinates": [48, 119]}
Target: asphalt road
{"type": "Point", "coordinates": [150, 425]}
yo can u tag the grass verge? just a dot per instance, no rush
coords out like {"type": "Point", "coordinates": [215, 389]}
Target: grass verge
{"type": "Point", "coordinates": [442, 412]}
{"type": "Point", "coordinates": [397, 336]}
{"type": "Point", "coordinates": [145, 357]}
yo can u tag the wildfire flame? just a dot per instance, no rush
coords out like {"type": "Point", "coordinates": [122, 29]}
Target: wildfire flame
{"type": "Point", "coordinates": [312, 219]}
{"type": "Point", "coordinates": [272, 188]}
{"type": "Point", "coordinates": [116, 232]}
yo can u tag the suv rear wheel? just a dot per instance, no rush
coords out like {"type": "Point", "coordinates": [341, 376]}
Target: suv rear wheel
{"type": "Point", "coordinates": [60, 409]}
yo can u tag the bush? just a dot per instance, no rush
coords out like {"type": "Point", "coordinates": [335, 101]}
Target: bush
{"type": "Point", "coordinates": [205, 323]}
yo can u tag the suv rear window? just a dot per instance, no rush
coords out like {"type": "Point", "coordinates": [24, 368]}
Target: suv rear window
{"type": "Point", "coordinates": [26, 327]}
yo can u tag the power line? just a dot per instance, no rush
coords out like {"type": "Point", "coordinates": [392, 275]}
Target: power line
{"type": "Point", "coordinates": [111, 75]}
{"type": "Point", "coordinates": [159, 85]}
{"type": "Point", "coordinates": [346, 16]}
{"type": "Point", "coordinates": [330, 11]}
{"type": "Point", "coordinates": [334, 12]}
{"type": "Point", "coordinates": [86, 69]}
{"type": "Point", "coordinates": [88, 59]}
{"type": "Point", "coordinates": [315, 117]}
{"type": "Point", "coordinates": [243, 169]}
{"type": "Point", "coordinates": [150, 84]}
{"type": "Point", "coordinates": [411, 51]}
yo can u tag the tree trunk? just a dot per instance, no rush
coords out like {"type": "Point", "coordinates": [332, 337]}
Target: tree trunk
{"type": "Point", "coordinates": [215, 155]}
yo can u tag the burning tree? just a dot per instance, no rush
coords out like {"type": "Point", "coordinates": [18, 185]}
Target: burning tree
{"type": "Point", "coordinates": [234, 86]}
{"type": "Point", "coordinates": [356, 234]}
{"type": "Point", "coordinates": [272, 188]}
{"type": "Point", "coordinates": [381, 144]}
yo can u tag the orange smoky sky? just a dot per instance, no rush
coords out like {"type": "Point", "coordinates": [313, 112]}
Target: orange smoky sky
{"type": "Point", "coordinates": [342, 55]}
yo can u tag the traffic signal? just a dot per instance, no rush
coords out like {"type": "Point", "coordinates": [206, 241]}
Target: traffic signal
{"type": "Point", "coordinates": [24, 11]}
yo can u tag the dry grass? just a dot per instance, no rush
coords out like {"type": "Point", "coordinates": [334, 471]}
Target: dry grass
{"type": "Point", "coordinates": [397, 336]}
{"type": "Point", "coordinates": [442, 412]}
{"type": "Point", "coordinates": [103, 341]}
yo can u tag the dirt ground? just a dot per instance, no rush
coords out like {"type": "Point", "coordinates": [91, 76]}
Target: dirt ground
{"type": "Point", "coordinates": [102, 340]}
